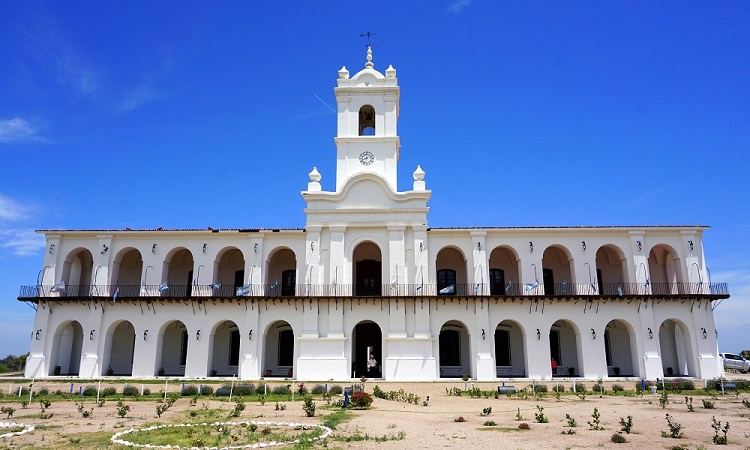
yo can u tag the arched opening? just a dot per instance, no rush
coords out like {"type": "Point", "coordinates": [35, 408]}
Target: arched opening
{"type": "Point", "coordinates": [610, 272]}
{"type": "Point", "coordinates": [565, 348]}
{"type": "Point", "coordinates": [556, 272]}
{"type": "Point", "coordinates": [178, 274]}
{"type": "Point", "coordinates": [367, 121]}
{"type": "Point", "coordinates": [172, 350]}
{"type": "Point", "coordinates": [619, 349]}
{"type": "Point", "coordinates": [224, 359]}
{"type": "Point", "coordinates": [510, 350]}
{"type": "Point", "coordinates": [229, 273]}
{"type": "Point", "coordinates": [119, 345]}
{"type": "Point", "coordinates": [451, 272]}
{"type": "Point", "coordinates": [279, 350]}
{"type": "Point", "coordinates": [367, 341]}
{"type": "Point", "coordinates": [367, 270]}
{"type": "Point", "coordinates": [282, 273]}
{"type": "Point", "coordinates": [665, 270]}
{"type": "Point", "coordinates": [67, 344]}
{"type": "Point", "coordinates": [77, 272]}
{"type": "Point", "coordinates": [504, 279]}
{"type": "Point", "coordinates": [676, 349]}
{"type": "Point", "coordinates": [454, 350]}
{"type": "Point", "coordinates": [127, 270]}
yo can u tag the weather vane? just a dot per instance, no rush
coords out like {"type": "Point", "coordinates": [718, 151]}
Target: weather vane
{"type": "Point", "coordinates": [368, 35]}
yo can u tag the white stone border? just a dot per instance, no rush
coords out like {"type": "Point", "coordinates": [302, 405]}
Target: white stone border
{"type": "Point", "coordinates": [26, 429]}
{"type": "Point", "coordinates": [116, 437]}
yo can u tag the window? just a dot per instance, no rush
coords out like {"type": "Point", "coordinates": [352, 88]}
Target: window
{"type": "Point", "coordinates": [288, 282]}
{"type": "Point", "coordinates": [502, 348]}
{"type": "Point", "coordinates": [450, 348]}
{"type": "Point", "coordinates": [497, 282]}
{"type": "Point", "coordinates": [234, 347]}
{"type": "Point", "coordinates": [286, 348]}
{"type": "Point", "coordinates": [183, 348]}
{"type": "Point", "coordinates": [367, 121]}
{"type": "Point", "coordinates": [446, 281]}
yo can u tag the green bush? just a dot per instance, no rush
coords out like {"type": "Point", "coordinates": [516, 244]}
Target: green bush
{"type": "Point", "coordinates": [558, 388]}
{"type": "Point", "coordinates": [541, 388]}
{"type": "Point", "coordinates": [318, 389]}
{"type": "Point", "coordinates": [130, 391]}
{"type": "Point", "coordinates": [336, 389]}
{"type": "Point", "coordinates": [207, 390]}
{"type": "Point", "coordinates": [146, 391]}
{"type": "Point", "coordinates": [281, 390]}
{"type": "Point", "coordinates": [241, 389]}
{"type": "Point", "coordinates": [89, 391]}
{"type": "Point", "coordinates": [580, 387]}
{"type": "Point", "coordinates": [617, 388]}
{"type": "Point", "coordinates": [361, 400]}
{"type": "Point", "coordinates": [43, 391]}
{"type": "Point", "coordinates": [189, 390]}
{"type": "Point", "coordinates": [597, 387]}
{"type": "Point", "coordinates": [108, 391]}
{"type": "Point", "coordinates": [261, 388]}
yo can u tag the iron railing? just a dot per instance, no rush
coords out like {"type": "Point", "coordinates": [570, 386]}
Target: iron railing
{"type": "Point", "coordinates": [385, 290]}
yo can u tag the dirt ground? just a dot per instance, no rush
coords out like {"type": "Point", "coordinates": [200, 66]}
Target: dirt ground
{"type": "Point", "coordinates": [400, 426]}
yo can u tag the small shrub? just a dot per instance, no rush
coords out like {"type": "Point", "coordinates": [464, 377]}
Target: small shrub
{"type": "Point", "coordinates": [707, 404]}
{"type": "Point", "coordinates": [626, 425]}
{"type": "Point", "coordinates": [689, 403]}
{"type": "Point", "coordinates": [309, 406]}
{"type": "Point", "coordinates": [122, 409]}
{"type": "Point", "coordinates": [107, 392]}
{"type": "Point", "coordinates": [43, 391]}
{"type": "Point", "coordinates": [571, 421]}
{"type": "Point", "coordinates": [580, 387]}
{"type": "Point", "coordinates": [459, 419]}
{"type": "Point", "coordinates": [596, 423]}
{"type": "Point", "coordinates": [524, 426]}
{"type": "Point", "coordinates": [281, 390]}
{"type": "Point", "coordinates": [207, 390]}
{"type": "Point", "coordinates": [130, 391]}
{"type": "Point", "coordinates": [490, 423]}
{"type": "Point", "coordinates": [618, 438]}
{"type": "Point", "coordinates": [318, 389]}
{"type": "Point", "coordinates": [542, 388]}
{"type": "Point", "coordinates": [664, 399]}
{"type": "Point", "coordinates": [7, 410]}
{"type": "Point", "coordinates": [597, 387]}
{"type": "Point", "coordinates": [336, 389]}
{"type": "Point", "coordinates": [674, 429]}
{"type": "Point", "coordinates": [89, 391]}
{"type": "Point", "coordinates": [539, 415]}
{"type": "Point", "coordinates": [189, 390]}
{"type": "Point", "coordinates": [486, 411]}
{"type": "Point", "coordinates": [617, 388]}
{"type": "Point", "coordinates": [558, 388]}
{"type": "Point", "coordinates": [243, 389]}
{"type": "Point", "coordinates": [361, 400]}
{"type": "Point", "coordinates": [716, 425]}
{"type": "Point", "coordinates": [261, 389]}
{"type": "Point", "coordinates": [146, 391]}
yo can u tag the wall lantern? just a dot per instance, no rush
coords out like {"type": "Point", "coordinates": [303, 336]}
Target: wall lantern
{"type": "Point", "coordinates": [153, 248]}
{"type": "Point", "coordinates": [638, 243]}
{"type": "Point", "coordinates": [704, 333]}
{"type": "Point", "coordinates": [583, 244]}
{"type": "Point", "coordinates": [204, 248]}
{"type": "Point", "coordinates": [421, 246]}
{"type": "Point", "coordinates": [104, 248]}
{"type": "Point", "coordinates": [91, 335]}
{"type": "Point", "coordinates": [312, 245]}
{"type": "Point", "coordinates": [482, 333]}
{"type": "Point", "coordinates": [37, 334]}
{"type": "Point", "coordinates": [650, 334]}
{"type": "Point", "coordinates": [531, 247]}
{"type": "Point", "coordinates": [145, 335]}
{"type": "Point", "coordinates": [593, 333]}
{"type": "Point", "coordinates": [250, 335]}
{"type": "Point", "coordinates": [479, 246]}
{"type": "Point", "coordinates": [538, 334]}
{"type": "Point", "coordinates": [51, 248]}
{"type": "Point", "coordinates": [690, 243]}
{"type": "Point", "coordinates": [255, 247]}
{"type": "Point", "coordinates": [198, 335]}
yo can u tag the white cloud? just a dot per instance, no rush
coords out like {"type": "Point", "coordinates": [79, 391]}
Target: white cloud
{"type": "Point", "coordinates": [137, 97]}
{"type": "Point", "coordinates": [16, 130]}
{"type": "Point", "coordinates": [458, 6]}
{"type": "Point", "coordinates": [11, 210]}
{"type": "Point", "coordinates": [21, 242]}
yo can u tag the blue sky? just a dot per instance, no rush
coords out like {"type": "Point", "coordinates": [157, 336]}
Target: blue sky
{"type": "Point", "coordinates": [522, 114]}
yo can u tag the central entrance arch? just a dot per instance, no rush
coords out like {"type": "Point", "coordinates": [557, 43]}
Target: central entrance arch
{"type": "Point", "coordinates": [368, 340]}
{"type": "Point", "coordinates": [67, 345]}
{"type": "Point", "coordinates": [368, 271]}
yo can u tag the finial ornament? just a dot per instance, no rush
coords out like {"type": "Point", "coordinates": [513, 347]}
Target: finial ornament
{"type": "Point", "coordinates": [314, 175]}
{"type": "Point", "coordinates": [369, 63]}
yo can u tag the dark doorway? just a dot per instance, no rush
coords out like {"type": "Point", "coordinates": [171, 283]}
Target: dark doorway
{"type": "Point", "coordinates": [189, 288]}
{"type": "Point", "coordinates": [446, 284]}
{"type": "Point", "coordinates": [554, 346]}
{"type": "Point", "coordinates": [369, 278]}
{"type": "Point", "coordinates": [367, 335]}
{"type": "Point", "coordinates": [239, 279]}
{"type": "Point", "coordinates": [288, 282]}
{"type": "Point", "coordinates": [497, 282]}
{"type": "Point", "coordinates": [549, 281]}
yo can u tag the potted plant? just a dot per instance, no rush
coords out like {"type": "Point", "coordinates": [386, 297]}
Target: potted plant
{"type": "Point", "coordinates": [161, 371]}
{"type": "Point", "coordinates": [213, 372]}
{"type": "Point", "coordinates": [617, 371]}
{"type": "Point", "coordinates": [269, 372]}
{"type": "Point", "coordinates": [110, 372]}
{"type": "Point", "coordinates": [670, 371]}
{"type": "Point", "coordinates": [290, 372]}
{"type": "Point", "coordinates": [57, 370]}
{"type": "Point", "coordinates": [571, 371]}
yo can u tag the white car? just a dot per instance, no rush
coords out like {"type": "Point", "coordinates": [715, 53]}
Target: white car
{"type": "Point", "coordinates": [735, 362]}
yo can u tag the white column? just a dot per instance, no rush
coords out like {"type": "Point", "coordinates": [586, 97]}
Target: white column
{"type": "Point", "coordinates": [250, 349]}
{"type": "Point", "coordinates": [480, 263]}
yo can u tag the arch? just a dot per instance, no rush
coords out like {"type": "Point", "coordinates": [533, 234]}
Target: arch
{"type": "Point", "coordinates": [278, 357]}
{"type": "Point", "coordinates": [510, 349]}
{"type": "Point", "coordinates": [366, 121]}
{"type": "Point", "coordinates": [665, 270]}
{"type": "Point", "coordinates": [119, 348]}
{"type": "Point", "coordinates": [565, 347]}
{"type": "Point", "coordinates": [454, 350]}
{"type": "Point", "coordinates": [450, 267]}
{"type": "Point", "coordinates": [172, 349]}
{"type": "Point", "coordinates": [127, 270]}
{"type": "Point", "coordinates": [177, 271]}
{"type": "Point", "coordinates": [620, 349]}
{"type": "Point", "coordinates": [556, 271]}
{"type": "Point", "coordinates": [675, 345]}
{"type": "Point", "coordinates": [367, 339]}
{"type": "Point", "coordinates": [224, 344]}
{"type": "Point", "coordinates": [367, 269]}
{"type": "Point", "coordinates": [504, 271]}
{"type": "Point", "coordinates": [77, 272]}
{"type": "Point", "coordinates": [229, 272]}
{"type": "Point", "coordinates": [281, 278]}
{"type": "Point", "coordinates": [611, 273]}
{"type": "Point", "coordinates": [67, 345]}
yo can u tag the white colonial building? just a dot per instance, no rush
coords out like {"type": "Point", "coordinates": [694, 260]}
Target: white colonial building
{"type": "Point", "coordinates": [368, 276]}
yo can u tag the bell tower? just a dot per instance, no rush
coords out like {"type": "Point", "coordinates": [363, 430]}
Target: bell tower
{"type": "Point", "coordinates": [367, 139]}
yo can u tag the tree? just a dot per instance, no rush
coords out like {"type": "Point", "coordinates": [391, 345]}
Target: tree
{"type": "Point", "coordinates": [745, 354]}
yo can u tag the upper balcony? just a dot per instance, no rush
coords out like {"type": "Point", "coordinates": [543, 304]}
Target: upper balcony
{"type": "Point", "coordinates": [478, 290]}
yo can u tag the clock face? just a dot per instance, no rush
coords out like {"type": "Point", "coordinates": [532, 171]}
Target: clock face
{"type": "Point", "coordinates": [366, 158]}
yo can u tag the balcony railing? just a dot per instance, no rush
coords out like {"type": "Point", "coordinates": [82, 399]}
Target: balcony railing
{"type": "Point", "coordinates": [385, 290]}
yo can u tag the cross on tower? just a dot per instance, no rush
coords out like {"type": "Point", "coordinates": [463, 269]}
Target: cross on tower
{"type": "Point", "coordinates": [368, 35]}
